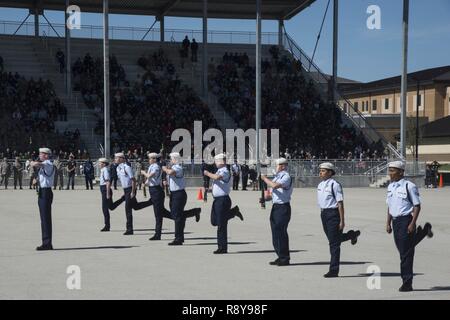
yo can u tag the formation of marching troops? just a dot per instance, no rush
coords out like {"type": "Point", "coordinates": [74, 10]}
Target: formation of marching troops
{"type": "Point", "coordinates": [403, 201]}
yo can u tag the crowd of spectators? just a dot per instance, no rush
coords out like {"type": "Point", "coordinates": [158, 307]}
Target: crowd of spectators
{"type": "Point", "coordinates": [144, 113]}
{"type": "Point", "coordinates": [29, 109]}
{"type": "Point", "coordinates": [309, 126]}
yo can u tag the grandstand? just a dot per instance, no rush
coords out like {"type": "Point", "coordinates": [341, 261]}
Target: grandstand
{"type": "Point", "coordinates": [345, 135]}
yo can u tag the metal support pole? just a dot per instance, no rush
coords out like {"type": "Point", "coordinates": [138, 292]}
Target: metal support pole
{"type": "Point", "coordinates": [335, 49]}
{"type": "Point", "coordinates": [68, 55]}
{"type": "Point", "coordinates": [258, 83]}
{"type": "Point", "coordinates": [205, 50]}
{"type": "Point", "coordinates": [36, 22]}
{"type": "Point", "coordinates": [417, 120]}
{"type": "Point", "coordinates": [106, 76]}
{"type": "Point", "coordinates": [280, 32]}
{"type": "Point", "coordinates": [404, 84]}
{"type": "Point", "coordinates": [161, 29]}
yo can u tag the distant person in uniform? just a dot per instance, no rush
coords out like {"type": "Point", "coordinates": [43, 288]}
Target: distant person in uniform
{"type": "Point", "coordinates": [61, 60]}
{"type": "Point", "coordinates": [330, 198]}
{"type": "Point", "coordinates": [32, 174]}
{"type": "Point", "coordinates": [206, 167]}
{"type": "Point", "coordinates": [404, 206]}
{"type": "Point", "coordinates": [236, 171]}
{"type": "Point", "coordinates": [71, 167]}
{"type": "Point", "coordinates": [46, 172]}
{"type": "Point", "coordinates": [245, 172]}
{"type": "Point", "coordinates": [59, 174]}
{"type": "Point", "coordinates": [137, 174]}
{"type": "Point", "coordinates": [194, 50]}
{"type": "Point", "coordinates": [221, 210]}
{"type": "Point", "coordinates": [89, 174]}
{"type": "Point", "coordinates": [113, 170]}
{"type": "Point", "coordinates": [18, 173]}
{"type": "Point", "coordinates": [254, 177]}
{"type": "Point", "coordinates": [5, 172]}
{"type": "Point", "coordinates": [280, 215]}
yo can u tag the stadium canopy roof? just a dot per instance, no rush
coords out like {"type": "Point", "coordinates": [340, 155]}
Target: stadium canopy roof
{"type": "Point", "coordinates": [235, 9]}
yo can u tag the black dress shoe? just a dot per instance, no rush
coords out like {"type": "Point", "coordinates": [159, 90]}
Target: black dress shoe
{"type": "Point", "coordinates": [331, 274]}
{"type": "Point", "coordinates": [175, 243]}
{"type": "Point", "coordinates": [275, 262]}
{"type": "Point", "coordinates": [44, 247]}
{"type": "Point", "coordinates": [282, 263]}
{"type": "Point", "coordinates": [406, 288]}
{"type": "Point", "coordinates": [355, 236]}
{"type": "Point", "coordinates": [197, 214]}
{"type": "Point", "coordinates": [105, 229]}
{"type": "Point", "coordinates": [427, 227]}
{"type": "Point", "coordinates": [128, 233]}
{"type": "Point", "coordinates": [220, 251]}
{"type": "Point", "coordinates": [238, 213]}
{"type": "Point", "coordinates": [155, 237]}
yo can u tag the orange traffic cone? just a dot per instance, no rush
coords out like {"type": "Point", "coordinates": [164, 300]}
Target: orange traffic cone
{"type": "Point", "coordinates": [200, 194]}
{"type": "Point", "coordinates": [441, 181]}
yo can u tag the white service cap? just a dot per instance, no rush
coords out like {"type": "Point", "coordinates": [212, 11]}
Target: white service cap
{"type": "Point", "coordinates": [328, 166]}
{"type": "Point", "coordinates": [397, 164]}
{"type": "Point", "coordinates": [119, 155]}
{"type": "Point", "coordinates": [219, 156]}
{"type": "Point", "coordinates": [281, 161]}
{"type": "Point", "coordinates": [104, 160]}
{"type": "Point", "coordinates": [175, 155]}
{"type": "Point", "coordinates": [45, 150]}
{"type": "Point", "coordinates": [153, 155]}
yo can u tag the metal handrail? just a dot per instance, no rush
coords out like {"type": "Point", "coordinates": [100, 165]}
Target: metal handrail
{"type": "Point", "coordinates": [136, 33]}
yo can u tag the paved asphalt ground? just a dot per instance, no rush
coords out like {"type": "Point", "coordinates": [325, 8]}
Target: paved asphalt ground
{"type": "Point", "coordinates": [114, 266]}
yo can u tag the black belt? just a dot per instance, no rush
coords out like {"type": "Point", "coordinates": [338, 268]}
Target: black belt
{"type": "Point", "coordinates": [282, 204]}
{"type": "Point", "coordinates": [402, 217]}
{"type": "Point", "coordinates": [329, 210]}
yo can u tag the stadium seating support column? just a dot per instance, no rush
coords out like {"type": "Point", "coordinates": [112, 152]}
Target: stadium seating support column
{"type": "Point", "coordinates": [36, 21]}
{"type": "Point", "coordinates": [68, 59]}
{"type": "Point", "coordinates": [335, 48]}
{"type": "Point", "coordinates": [161, 29]}
{"type": "Point", "coordinates": [106, 76]}
{"type": "Point", "coordinates": [280, 32]}
{"type": "Point", "coordinates": [258, 83]}
{"type": "Point", "coordinates": [404, 78]}
{"type": "Point", "coordinates": [205, 50]}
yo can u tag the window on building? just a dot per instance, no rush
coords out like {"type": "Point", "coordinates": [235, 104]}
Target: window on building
{"type": "Point", "coordinates": [386, 104]}
{"type": "Point", "coordinates": [356, 106]}
{"type": "Point", "coordinates": [374, 105]}
{"type": "Point", "coordinates": [367, 106]}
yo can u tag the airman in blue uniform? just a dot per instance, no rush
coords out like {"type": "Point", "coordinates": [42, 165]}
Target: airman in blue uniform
{"type": "Point", "coordinates": [221, 210]}
{"type": "Point", "coordinates": [404, 206]}
{"type": "Point", "coordinates": [330, 198]}
{"type": "Point", "coordinates": [280, 215]}
{"type": "Point", "coordinates": [45, 178]}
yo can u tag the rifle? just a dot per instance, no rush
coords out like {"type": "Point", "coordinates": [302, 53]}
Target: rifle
{"type": "Point", "coordinates": [164, 175]}
{"type": "Point", "coordinates": [262, 200]}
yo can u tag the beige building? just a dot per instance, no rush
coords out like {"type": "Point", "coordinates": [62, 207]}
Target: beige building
{"type": "Point", "coordinates": [379, 101]}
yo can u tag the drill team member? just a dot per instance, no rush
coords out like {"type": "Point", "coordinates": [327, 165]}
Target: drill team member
{"type": "Point", "coordinates": [128, 182]}
{"type": "Point", "coordinates": [221, 210]}
{"type": "Point", "coordinates": [330, 199]}
{"type": "Point", "coordinates": [106, 192]}
{"type": "Point", "coordinates": [45, 176]}
{"type": "Point", "coordinates": [280, 215]}
{"type": "Point", "coordinates": [404, 206]}
{"type": "Point", "coordinates": [18, 173]}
